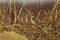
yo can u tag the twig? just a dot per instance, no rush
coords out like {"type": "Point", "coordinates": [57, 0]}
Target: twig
{"type": "Point", "coordinates": [38, 15]}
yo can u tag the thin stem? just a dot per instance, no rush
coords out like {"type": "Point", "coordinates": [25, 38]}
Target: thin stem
{"type": "Point", "coordinates": [38, 15]}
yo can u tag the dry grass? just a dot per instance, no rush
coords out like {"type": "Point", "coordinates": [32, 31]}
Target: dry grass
{"type": "Point", "coordinates": [43, 26]}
